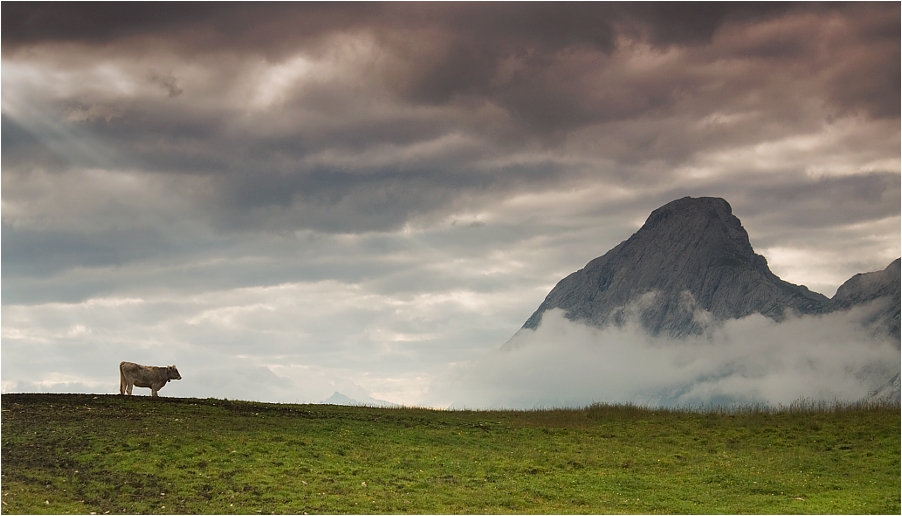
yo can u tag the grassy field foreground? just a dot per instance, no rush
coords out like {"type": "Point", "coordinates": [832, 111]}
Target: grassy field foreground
{"type": "Point", "coordinates": [111, 454]}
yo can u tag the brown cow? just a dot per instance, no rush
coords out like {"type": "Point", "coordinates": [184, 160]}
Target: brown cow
{"type": "Point", "coordinates": [155, 377]}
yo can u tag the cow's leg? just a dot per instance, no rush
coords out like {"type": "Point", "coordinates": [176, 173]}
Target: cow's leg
{"type": "Point", "coordinates": [128, 389]}
{"type": "Point", "coordinates": [153, 392]}
{"type": "Point", "coordinates": [121, 383]}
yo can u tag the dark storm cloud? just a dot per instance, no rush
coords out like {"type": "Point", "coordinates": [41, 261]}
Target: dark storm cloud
{"type": "Point", "coordinates": [43, 253]}
{"type": "Point", "coordinates": [461, 48]}
{"type": "Point", "coordinates": [257, 24]}
{"type": "Point", "coordinates": [627, 83]}
{"type": "Point", "coordinates": [555, 85]}
{"type": "Point", "coordinates": [829, 201]}
{"type": "Point", "coordinates": [366, 198]}
{"type": "Point", "coordinates": [867, 78]}
{"type": "Point", "coordinates": [266, 24]}
{"type": "Point", "coordinates": [203, 26]}
{"type": "Point", "coordinates": [515, 55]}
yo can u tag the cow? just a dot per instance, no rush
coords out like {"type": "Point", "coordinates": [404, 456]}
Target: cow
{"type": "Point", "coordinates": [155, 377]}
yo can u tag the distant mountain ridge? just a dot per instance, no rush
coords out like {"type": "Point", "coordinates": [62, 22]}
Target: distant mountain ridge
{"type": "Point", "coordinates": [691, 264]}
{"type": "Point", "coordinates": [338, 398]}
{"type": "Point", "coordinates": [881, 287]}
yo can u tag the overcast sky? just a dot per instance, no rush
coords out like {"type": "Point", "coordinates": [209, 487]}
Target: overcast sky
{"type": "Point", "coordinates": [291, 199]}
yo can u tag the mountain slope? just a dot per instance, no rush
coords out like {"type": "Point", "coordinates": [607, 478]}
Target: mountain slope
{"type": "Point", "coordinates": [881, 288]}
{"type": "Point", "coordinates": [691, 261]}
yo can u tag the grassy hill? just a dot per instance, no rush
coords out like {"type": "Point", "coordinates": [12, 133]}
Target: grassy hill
{"type": "Point", "coordinates": [112, 454]}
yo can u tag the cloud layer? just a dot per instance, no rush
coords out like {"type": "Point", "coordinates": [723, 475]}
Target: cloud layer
{"type": "Point", "coordinates": [745, 361]}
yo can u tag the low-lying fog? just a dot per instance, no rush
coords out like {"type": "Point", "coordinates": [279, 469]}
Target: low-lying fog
{"type": "Point", "coordinates": [749, 360]}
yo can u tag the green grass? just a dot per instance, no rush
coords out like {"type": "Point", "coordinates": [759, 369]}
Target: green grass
{"type": "Point", "coordinates": [113, 454]}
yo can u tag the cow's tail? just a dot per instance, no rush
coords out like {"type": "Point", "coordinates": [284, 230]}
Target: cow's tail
{"type": "Point", "coordinates": [121, 378]}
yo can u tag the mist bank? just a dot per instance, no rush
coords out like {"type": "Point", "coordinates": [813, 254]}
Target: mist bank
{"type": "Point", "coordinates": [752, 360]}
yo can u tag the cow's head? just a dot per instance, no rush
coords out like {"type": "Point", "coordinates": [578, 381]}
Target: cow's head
{"type": "Point", "coordinates": [172, 373]}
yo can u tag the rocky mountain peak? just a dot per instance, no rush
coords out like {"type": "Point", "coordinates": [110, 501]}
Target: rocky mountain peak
{"type": "Point", "coordinates": [690, 262]}
{"type": "Point", "coordinates": [703, 216]}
